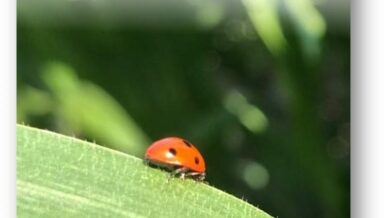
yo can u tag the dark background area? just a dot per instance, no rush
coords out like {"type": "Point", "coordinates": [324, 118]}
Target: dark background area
{"type": "Point", "coordinates": [271, 117]}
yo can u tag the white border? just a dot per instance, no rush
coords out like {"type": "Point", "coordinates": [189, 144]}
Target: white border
{"type": "Point", "coordinates": [367, 108]}
{"type": "Point", "coordinates": [367, 132]}
{"type": "Point", "coordinates": [8, 108]}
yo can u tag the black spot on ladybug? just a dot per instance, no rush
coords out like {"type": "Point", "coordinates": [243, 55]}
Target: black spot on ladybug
{"type": "Point", "coordinates": [197, 160]}
{"type": "Point", "coordinates": [187, 143]}
{"type": "Point", "coordinates": [172, 151]}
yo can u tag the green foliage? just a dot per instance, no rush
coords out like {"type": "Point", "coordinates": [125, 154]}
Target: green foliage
{"type": "Point", "coordinates": [59, 176]}
{"type": "Point", "coordinates": [265, 18]}
{"type": "Point", "coordinates": [249, 115]}
{"type": "Point", "coordinates": [84, 108]}
{"type": "Point", "coordinates": [310, 27]}
{"type": "Point", "coordinates": [261, 87]}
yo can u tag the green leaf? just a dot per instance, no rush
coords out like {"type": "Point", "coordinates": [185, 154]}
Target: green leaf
{"type": "Point", "coordinates": [87, 109]}
{"type": "Point", "coordinates": [60, 176]}
{"type": "Point", "coordinates": [310, 26]}
{"type": "Point", "coordinates": [249, 115]}
{"type": "Point", "coordinates": [265, 18]}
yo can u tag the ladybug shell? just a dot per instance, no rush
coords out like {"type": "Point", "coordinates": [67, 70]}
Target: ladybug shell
{"type": "Point", "coordinates": [174, 151]}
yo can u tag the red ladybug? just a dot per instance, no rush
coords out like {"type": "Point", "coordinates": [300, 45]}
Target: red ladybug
{"type": "Point", "coordinates": [178, 155]}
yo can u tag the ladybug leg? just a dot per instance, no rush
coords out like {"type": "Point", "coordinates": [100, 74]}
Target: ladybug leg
{"type": "Point", "coordinates": [181, 172]}
{"type": "Point", "coordinates": [196, 175]}
{"type": "Point", "coordinates": [182, 175]}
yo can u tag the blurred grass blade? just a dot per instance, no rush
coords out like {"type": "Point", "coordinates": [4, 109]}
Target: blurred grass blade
{"type": "Point", "coordinates": [208, 13]}
{"type": "Point", "coordinates": [250, 116]}
{"type": "Point", "coordinates": [32, 102]}
{"type": "Point", "coordinates": [310, 26]}
{"type": "Point", "coordinates": [87, 109]}
{"type": "Point", "coordinates": [265, 19]}
{"type": "Point", "coordinates": [60, 176]}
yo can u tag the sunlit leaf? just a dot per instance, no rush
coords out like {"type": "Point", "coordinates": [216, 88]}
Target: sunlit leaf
{"type": "Point", "coordinates": [85, 108]}
{"type": "Point", "coordinates": [249, 115]}
{"type": "Point", "coordinates": [32, 101]}
{"type": "Point", "coordinates": [265, 18]}
{"type": "Point", "coordinates": [59, 176]}
{"type": "Point", "coordinates": [310, 26]}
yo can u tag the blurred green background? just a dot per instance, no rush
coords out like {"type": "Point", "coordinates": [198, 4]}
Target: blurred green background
{"type": "Point", "coordinates": [260, 86]}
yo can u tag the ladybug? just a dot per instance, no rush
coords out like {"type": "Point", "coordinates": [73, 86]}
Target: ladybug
{"type": "Point", "coordinates": [179, 156]}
